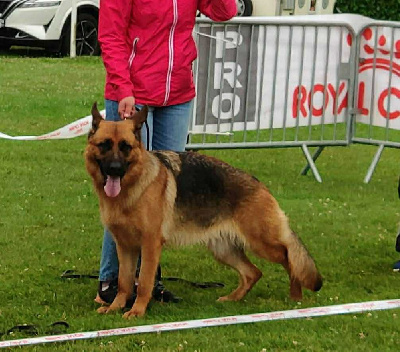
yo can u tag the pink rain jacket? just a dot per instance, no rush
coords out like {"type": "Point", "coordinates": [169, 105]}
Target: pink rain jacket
{"type": "Point", "coordinates": [148, 47]}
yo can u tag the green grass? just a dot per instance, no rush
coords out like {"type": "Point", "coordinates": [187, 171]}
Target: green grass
{"type": "Point", "coordinates": [49, 222]}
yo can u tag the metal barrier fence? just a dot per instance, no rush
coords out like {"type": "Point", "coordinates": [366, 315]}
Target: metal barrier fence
{"type": "Point", "coordinates": [378, 89]}
{"type": "Point", "coordinates": [281, 82]}
{"type": "Point", "coordinates": [275, 83]}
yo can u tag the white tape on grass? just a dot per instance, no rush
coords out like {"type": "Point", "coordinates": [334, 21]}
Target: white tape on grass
{"type": "Point", "coordinates": [202, 323]}
{"type": "Point", "coordinates": [75, 129]}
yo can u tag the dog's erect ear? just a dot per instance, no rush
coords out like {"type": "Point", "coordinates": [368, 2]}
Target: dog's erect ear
{"type": "Point", "coordinates": [96, 117]}
{"type": "Point", "coordinates": [139, 117]}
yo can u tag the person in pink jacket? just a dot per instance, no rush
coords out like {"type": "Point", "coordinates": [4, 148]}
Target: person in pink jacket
{"type": "Point", "coordinates": [148, 49]}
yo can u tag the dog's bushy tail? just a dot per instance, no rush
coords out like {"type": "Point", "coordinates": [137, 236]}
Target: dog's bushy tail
{"type": "Point", "coordinates": [301, 264]}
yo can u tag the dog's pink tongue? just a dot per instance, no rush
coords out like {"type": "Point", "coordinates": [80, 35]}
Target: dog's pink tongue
{"type": "Point", "coordinates": [113, 186]}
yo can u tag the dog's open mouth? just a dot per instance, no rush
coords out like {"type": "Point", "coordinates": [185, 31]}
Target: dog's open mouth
{"type": "Point", "coordinates": [112, 186]}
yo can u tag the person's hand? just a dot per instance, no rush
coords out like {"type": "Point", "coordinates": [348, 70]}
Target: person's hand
{"type": "Point", "coordinates": [126, 107]}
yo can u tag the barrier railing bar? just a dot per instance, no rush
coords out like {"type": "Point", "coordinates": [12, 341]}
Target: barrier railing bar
{"type": "Point", "coordinates": [328, 42]}
{"type": "Point", "coordinates": [260, 96]}
{"type": "Point", "coordinates": [256, 145]}
{"type": "Point", "coordinates": [372, 106]}
{"type": "Point", "coordinates": [288, 64]}
{"type": "Point", "coordinates": [296, 138]}
{"type": "Point", "coordinates": [246, 105]}
{"type": "Point", "coordinates": [235, 74]}
{"type": "Point", "coordinates": [377, 142]}
{"type": "Point", "coordinates": [196, 76]}
{"type": "Point", "coordinates": [352, 82]}
{"type": "Point", "coordinates": [316, 30]}
{"type": "Point", "coordinates": [390, 85]}
{"type": "Point", "coordinates": [336, 105]}
{"type": "Point", "coordinates": [208, 83]}
{"type": "Point", "coordinates": [221, 84]}
{"type": "Point", "coordinates": [271, 122]}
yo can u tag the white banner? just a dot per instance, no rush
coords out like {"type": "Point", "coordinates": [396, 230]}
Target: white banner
{"type": "Point", "coordinates": [295, 73]}
{"type": "Point", "coordinates": [378, 99]}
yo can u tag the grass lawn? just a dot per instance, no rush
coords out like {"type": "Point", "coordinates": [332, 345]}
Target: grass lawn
{"type": "Point", "coordinates": [49, 222]}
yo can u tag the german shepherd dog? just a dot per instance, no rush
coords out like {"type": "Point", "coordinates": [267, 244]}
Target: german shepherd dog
{"type": "Point", "coordinates": [147, 199]}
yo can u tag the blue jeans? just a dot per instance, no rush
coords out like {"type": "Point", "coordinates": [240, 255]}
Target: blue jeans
{"type": "Point", "coordinates": [168, 129]}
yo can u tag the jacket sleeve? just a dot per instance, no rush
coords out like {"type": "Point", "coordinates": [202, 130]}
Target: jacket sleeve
{"type": "Point", "coordinates": [218, 10]}
{"type": "Point", "coordinates": [114, 17]}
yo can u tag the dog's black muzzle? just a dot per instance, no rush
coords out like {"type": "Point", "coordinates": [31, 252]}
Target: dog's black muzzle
{"type": "Point", "coordinates": [114, 168]}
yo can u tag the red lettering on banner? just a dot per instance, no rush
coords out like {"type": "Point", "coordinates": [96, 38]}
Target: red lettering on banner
{"type": "Point", "coordinates": [220, 320]}
{"type": "Point", "coordinates": [19, 342]}
{"type": "Point", "coordinates": [360, 102]}
{"type": "Point", "coordinates": [160, 326]}
{"type": "Point", "coordinates": [106, 332]}
{"type": "Point", "coordinates": [78, 125]}
{"type": "Point", "coordinates": [343, 103]}
{"type": "Point", "coordinates": [47, 136]}
{"type": "Point", "coordinates": [381, 106]}
{"type": "Point", "coordinates": [302, 99]}
{"type": "Point", "coordinates": [318, 88]}
{"type": "Point", "coordinates": [367, 305]}
{"type": "Point", "coordinates": [179, 325]}
{"type": "Point", "coordinates": [297, 98]}
{"type": "Point", "coordinates": [274, 315]}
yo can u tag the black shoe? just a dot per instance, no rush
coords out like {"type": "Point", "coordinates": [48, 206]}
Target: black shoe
{"type": "Point", "coordinates": [160, 293]}
{"type": "Point", "coordinates": [398, 243]}
{"type": "Point", "coordinates": [108, 294]}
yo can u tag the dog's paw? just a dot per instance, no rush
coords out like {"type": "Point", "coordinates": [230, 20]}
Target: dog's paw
{"type": "Point", "coordinates": [103, 310]}
{"type": "Point", "coordinates": [134, 313]}
{"type": "Point", "coordinates": [224, 299]}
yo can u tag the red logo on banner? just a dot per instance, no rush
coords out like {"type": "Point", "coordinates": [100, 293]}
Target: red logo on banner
{"type": "Point", "coordinates": [304, 100]}
{"type": "Point", "coordinates": [380, 53]}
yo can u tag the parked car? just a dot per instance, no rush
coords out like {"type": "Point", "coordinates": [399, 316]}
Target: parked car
{"type": "Point", "coordinates": [245, 7]}
{"type": "Point", "coordinates": [46, 24]}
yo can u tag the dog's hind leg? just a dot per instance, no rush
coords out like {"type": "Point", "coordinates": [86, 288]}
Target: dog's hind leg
{"type": "Point", "coordinates": [127, 258]}
{"type": "Point", "coordinates": [233, 255]}
{"type": "Point", "coordinates": [278, 254]}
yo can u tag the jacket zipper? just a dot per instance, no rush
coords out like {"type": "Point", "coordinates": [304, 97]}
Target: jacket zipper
{"type": "Point", "coordinates": [171, 52]}
{"type": "Point", "coordinates": [133, 53]}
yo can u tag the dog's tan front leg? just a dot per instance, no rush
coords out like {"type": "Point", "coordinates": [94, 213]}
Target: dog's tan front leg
{"type": "Point", "coordinates": [127, 258]}
{"type": "Point", "coordinates": [150, 258]}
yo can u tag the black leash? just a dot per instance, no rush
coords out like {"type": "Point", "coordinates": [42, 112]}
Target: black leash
{"type": "Point", "coordinates": [72, 274]}
{"type": "Point", "coordinates": [56, 328]}
{"type": "Point", "coordinates": [148, 135]}
{"type": "Point", "coordinates": [205, 284]}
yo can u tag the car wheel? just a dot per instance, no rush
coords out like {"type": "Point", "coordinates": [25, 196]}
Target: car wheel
{"type": "Point", "coordinates": [86, 36]}
{"type": "Point", "coordinates": [245, 7]}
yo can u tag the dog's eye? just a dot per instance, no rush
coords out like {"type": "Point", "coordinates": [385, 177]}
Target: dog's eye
{"type": "Point", "coordinates": [124, 147]}
{"type": "Point", "coordinates": [105, 146]}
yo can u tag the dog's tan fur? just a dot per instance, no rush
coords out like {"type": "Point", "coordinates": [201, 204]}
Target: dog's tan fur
{"type": "Point", "coordinates": [165, 199]}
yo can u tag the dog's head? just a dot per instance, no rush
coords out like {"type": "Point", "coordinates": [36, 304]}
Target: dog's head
{"type": "Point", "coordinates": [113, 148]}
